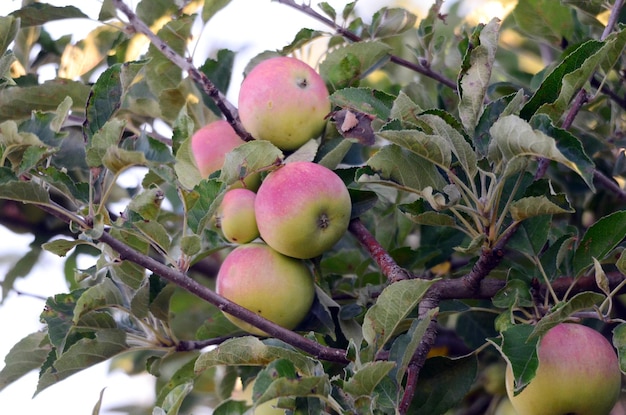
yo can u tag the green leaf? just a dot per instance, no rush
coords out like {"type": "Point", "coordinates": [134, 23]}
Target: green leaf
{"type": "Point", "coordinates": [545, 20]}
{"type": "Point", "coordinates": [9, 26]}
{"type": "Point", "coordinates": [202, 204]}
{"type": "Point", "coordinates": [250, 351]}
{"type": "Point", "coordinates": [512, 138]}
{"type": "Point", "coordinates": [558, 88]}
{"type": "Point", "coordinates": [19, 102]}
{"type": "Point", "coordinates": [599, 240]}
{"type": "Point", "coordinates": [346, 65]}
{"type": "Point", "coordinates": [418, 213]}
{"type": "Point", "coordinates": [619, 341]}
{"type": "Point", "coordinates": [476, 72]}
{"type": "Point", "coordinates": [403, 167]}
{"type": "Point", "coordinates": [211, 7]}
{"type": "Point", "coordinates": [430, 147]}
{"type": "Point", "coordinates": [83, 354]}
{"type": "Point", "coordinates": [569, 145]}
{"type": "Point", "coordinates": [405, 346]}
{"type": "Point", "coordinates": [391, 22]}
{"type": "Point", "coordinates": [174, 399]}
{"type": "Point", "coordinates": [61, 247]}
{"type": "Point", "coordinates": [99, 296]}
{"type": "Point", "coordinates": [365, 100]}
{"type": "Point", "coordinates": [531, 206]}
{"type": "Point", "coordinates": [117, 159]}
{"type": "Point", "coordinates": [521, 352]}
{"type": "Point", "coordinates": [531, 235]}
{"type": "Point", "coordinates": [25, 356]}
{"type": "Point", "coordinates": [25, 192]}
{"type": "Point", "coordinates": [365, 380]}
{"type": "Point", "coordinates": [185, 166]}
{"type": "Point", "coordinates": [516, 293]}
{"type": "Point", "coordinates": [147, 203]}
{"type": "Point", "coordinates": [392, 306]}
{"type": "Point", "coordinates": [586, 300]}
{"type": "Point", "coordinates": [36, 14]}
{"type": "Point", "coordinates": [249, 158]}
{"type": "Point", "coordinates": [442, 384]}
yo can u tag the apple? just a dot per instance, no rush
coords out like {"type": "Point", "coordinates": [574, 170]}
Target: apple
{"type": "Point", "coordinates": [302, 209]}
{"type": "Point", "coordinates": [505, 407]}
{"type": "Point", "coordinates": [578, 373]}
{"type": "Point", "coordinates": [236, 218]}
{"type": "Point", "coordinates": [209, 146]}
{"type": "Point", "coordinates": [284, 101]}
{"type": "Point", "coordinates": [266, 408]}
{"type": "Point", "coordinates": [264, 281]}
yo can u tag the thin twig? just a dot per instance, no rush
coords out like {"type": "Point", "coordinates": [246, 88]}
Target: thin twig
{"type": "Point", "coordinates": [385, 262]}
{"type": "Point", "coordinates": [351, 36]}
{"type": "Point", "coordinates": [228, 109]}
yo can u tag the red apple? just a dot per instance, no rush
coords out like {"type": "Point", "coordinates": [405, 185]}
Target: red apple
{"type": "Point", "coordinates": [211, 143]}
{"type": "Point", "coordinates": [284, 101]}
{"type": "Point", "coordinates": [578, 374]}
{"type": "Point", "coordinates": [235, 216]}
{"type": "Point", "coordinates": [275, 286]}
{"type": "Point", "coordinates": [302, 209]}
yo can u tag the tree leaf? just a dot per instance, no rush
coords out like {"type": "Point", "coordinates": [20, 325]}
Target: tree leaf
{"type": "Point", "coordinates": [211, 7]}
{"type": "Point", "coordinates": [364, 100]}
{"type": "Point", "coordinates": [391, 22]}
{"type": "Point", "coordinates": [346, 65]}
{"type": "Point", "coordinates": [61, 247]}
{"type": "Point", "coordinates": [36, 14]}
{"type": "Point", "coordinates": [393, 305]}
{"type": "Point", "coordinates": [18, 102]}
{"type": "Point", "coordinates": [442, 384]}
{"type": "Point", "coordinates": [99, 296]}
{"type": "Point", "coordinates": [249, 158]}
{"type": "Point", "coordinates": [531, 206]}
{"type": "Point", "coordinates": [521, 352]}
{"type": "Point", "coordinates": [9, 27]}
{"type": "Point", "coordinates": [405, 346]}
{"type": "Point", "coordinates": [174, 399]}
{"type": "Point", "coordinates": [619, 341]}
{"type": "Point", "coordinates": [582, 301]}
{"type": "Point", "coordinates": [476, 72]}
{"type": "Point", "coordinates": [83, 354]}
{"type": "Point", "coordinates": [25, 356]}
{"type": "Point", "coordinates": [555, 92]}
{"type": "Point", "coordinates": [545, 20]}
{"type": "Point", "coordinates": [512, 137]}
{"type": "Point", "coordinates": [250, 351]}
{"type": "Point", "coordinates": [428, 146]}
{"type": "Point", "coordinates": [365, 380]}
{"type": "Point", "coordinates": [599, 240]}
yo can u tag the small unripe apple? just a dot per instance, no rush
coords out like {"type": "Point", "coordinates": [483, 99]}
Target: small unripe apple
{"type": "Point", "coordinates": [264, 281]}
{"type": "Point", "coordinates": [285, 101]}
{"type": "Point", "coordinates": [236, 218]}
{"type": "Point", "coordinates": [578, 373]}
{"type": "Point", "coordinates": [211, 143]}
{"type": "Point", "coordinates": [302, 209]}
{"type": "Point", "coordinates": [266, 408]}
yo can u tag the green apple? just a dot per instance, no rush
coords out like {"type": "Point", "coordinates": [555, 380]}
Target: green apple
{"type": "Point", "coordinates": [285, 101]}
{"type": "Point", "coordinates": [266, 408]}
{"type": "Point", "coordinates": [264, 281]}
{"type": "Point", "coordinates": [505, 407]}
{"type": "Point", "coordinates": [236, 218]}
{"type": "Point", "coordinates": [209, 146]}
{"type": "Point", "coordinates": [302, 209]}
{"type": "Point", "coordinates": [578, 373]}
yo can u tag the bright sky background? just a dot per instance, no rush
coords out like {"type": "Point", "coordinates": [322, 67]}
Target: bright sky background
{"type": "Point", "coordinates": [238, 27]}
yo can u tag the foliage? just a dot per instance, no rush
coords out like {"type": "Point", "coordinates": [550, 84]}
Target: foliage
{"type": "Point", "coordinates": [488, 202]}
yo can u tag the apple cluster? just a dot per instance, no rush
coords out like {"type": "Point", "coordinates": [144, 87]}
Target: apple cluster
{"type": "Point", "coordinates": [297, 212]}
